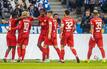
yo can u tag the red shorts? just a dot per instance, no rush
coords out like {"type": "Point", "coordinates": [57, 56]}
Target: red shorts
{"type": "Point", "coordinates": [98, 41]}
{"type": "Point", "coordinates": [11, 40]}
{"type": "Point", "coordinates": [52, 41]}
{"type": "Point", "coordinates": [23, 40]}
{"type": "Point", "coordinates": [41, 38]}
{"type": "Point", "coordinates": [67, 39]}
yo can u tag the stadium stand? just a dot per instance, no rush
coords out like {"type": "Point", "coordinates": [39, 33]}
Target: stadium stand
{"type": "Point", "coordinates": [77, 8]}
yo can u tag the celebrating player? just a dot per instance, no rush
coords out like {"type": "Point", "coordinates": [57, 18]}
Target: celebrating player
{"type": "Point", "coordinates": [51, 35]}
{"type": "Point", "coordinates": [67, 29]}
{"type": "Point", "coordinates": [11, 37]}
{"type": "Point", "coordinates": [43, 21]}
{"type": "Point", "coordinates": [96, 35]}
{"type": "Point", "coordinates": [23, 34]}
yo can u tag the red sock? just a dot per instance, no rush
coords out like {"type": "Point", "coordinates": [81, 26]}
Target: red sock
{"type": "Point", "coordinates": [23, 53]}
{"type": "Point", "coordinates": [89, 53]}
{"type": "Point", "coordinates": [43, 54]}
{"type": "Point", "coordinates": [74, 52]}
{"type": "Point", "coordinates": [7, 52]}
{"type": "Point", "coordinates": [13, 53]}
{"type": "Point", "coordinates": [62, 54]}
{"type": "Point", "coordinates": [58, 52]}
{"type": "Point", "coordinates": [102, 52]}
{"type": "Point", "coordinates": [19, 52]}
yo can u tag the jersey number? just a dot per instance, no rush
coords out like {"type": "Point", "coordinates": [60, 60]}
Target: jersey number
{"type": "Point", "coordinates": [26, 26]}
{"type": "Point", "coordinates": [69, 25]}
{"type": "Point", "coordinates": [99, 26]}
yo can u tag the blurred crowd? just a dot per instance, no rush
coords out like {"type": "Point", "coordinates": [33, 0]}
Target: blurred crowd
{"type": "Point", "coordinates": [81, 7]}
{"type": "Point", "coordinates": [78, 5]}
{"type": "Point", "coordinates": [18, 6]}
{"type": "Point", "coordinates": [86, 7]}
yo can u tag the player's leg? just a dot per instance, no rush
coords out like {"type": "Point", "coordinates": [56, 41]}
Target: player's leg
{"type": "Point", "coordinates": [19, 51]}
{"type": "Point", "coordinates": [45, 53]}
{"type": "Point", "coordinates": [63, 44]}
{"type": "Point", "coordinates": [6, 54]}
{"type": "Point", "coordinates": [75, 53]}
{"type": "Point", "coordinates": [39, 44]}
{"type": "Point", "coordinates": [70, 42]}
{"type": "Point", "coordinates": [19, 48]}
{"type": "Point", "coordinates": [62, 53]}
{"type": "Point", "coordinates": [100, 45]}
{"type": "Point", "coordinates": [13, 53]}
{"type": "Point", "coordinates": [91, 46]}
{"type": "Point", "coordinates": [58, 51]}
{"type": "Point", "coordinates": [23, 52]}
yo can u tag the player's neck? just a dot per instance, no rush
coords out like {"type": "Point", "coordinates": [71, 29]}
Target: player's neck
{"type": "Point", "coordinates": [67, 16]}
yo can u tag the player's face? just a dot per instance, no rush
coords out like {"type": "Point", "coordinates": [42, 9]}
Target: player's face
{"type": "Point", "coordinates": [42, 12]}
{"type": "Point", "coordinates": [49, 14]}
{"type": "Point", "coordinates": [87, 13]}
{"type": "Point", "coordinates": [56, 16]}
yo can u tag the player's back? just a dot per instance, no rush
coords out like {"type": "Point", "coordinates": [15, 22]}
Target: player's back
{"type": "Point", "coordinates": [69, 24]}
{"type": "Point", "coordinates": [12, 24]}
{"type": "Point", "coordinates": [25, 25]}
{"type": "Point", "coordinates": [97, 23]}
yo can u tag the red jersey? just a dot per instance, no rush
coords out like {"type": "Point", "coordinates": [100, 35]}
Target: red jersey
{"type": "Point", "coordinates": [43, 21]}
{"type": "Point", "coordinates": [54, 26]}
{"type": "Point", "coordinates": [12, 24]}
{"type": "Point", "coordinates": [69, 25]}
{"type": "Point", "coordinates": [25, 25]}
{"type": "Point", "coordinates": [97, 23]}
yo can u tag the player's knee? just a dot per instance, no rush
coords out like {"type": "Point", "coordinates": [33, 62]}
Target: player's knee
{"type": "Point", "coordinates": [72, 48]}
{"type": "Point", "coordinates": [55, 46]}
{"type": "Point", "coordinates": [100, 48]}
{"type": "Point", "coordinates": [24, 46]}
{"type": "Point", "coordinates": [62, 47]}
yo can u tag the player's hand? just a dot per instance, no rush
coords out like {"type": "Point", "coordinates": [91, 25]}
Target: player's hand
{"type": "Point", "coordinates": [60, 36]}
{"type": "Point", "coordinates": [9, 28]}
{"type": "Point", "coordinates": [49, 36]}
{"type": "Point", "coordinates": [42, 24]}
{"type": "Point", "coordinates": [92, 37]}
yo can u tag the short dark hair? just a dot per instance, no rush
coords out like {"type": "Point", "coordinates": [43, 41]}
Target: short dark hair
{"type": "Point", "coordinates": [14, 15]}
{"type": "Point", "coordinates": [55, 14]}
{"type": "Point", "coordinates": [43, 10]}
{"type": "Point", "coordinates": [50, 12]}
{"type": "Point", "coordinates": [67, 12]}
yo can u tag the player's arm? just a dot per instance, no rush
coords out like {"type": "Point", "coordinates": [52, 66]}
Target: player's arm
{"type": "Point", "coordinates": [92, 31]}
{"type": "Point", "coordinates": [17, 27]}
{"type": "Point", "coordinates": [61, 28]}
{"type": "Point", "coordinates": [74, 28]}
{"type": "Point", "coordinates": [50, 29]}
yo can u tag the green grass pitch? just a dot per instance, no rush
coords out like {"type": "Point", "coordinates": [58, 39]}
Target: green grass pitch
{"type": "Point", "coordinates": [35, 64]}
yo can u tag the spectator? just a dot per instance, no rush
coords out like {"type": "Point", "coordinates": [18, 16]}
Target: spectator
{"type": "Point", "coordinates": [46, 5]}
{"type": "Point", "coordinates": [56, 16]}
{"type": "Point", "coordinates": [40, 6]}
{"type": "Point", "coordinates": [31, 9]}
{"type": "Point", "coordinates": [79, 5]}
{"type": "Point", "coordinates": [87, 4]}
{"type": "Point", "coordinates": [18, 10]}
{"type": "Point", "coordinates": [32, 1]}
{"type": "Point", "coordinates": [36, 12]}
{"type": "Point", "coordinates": [85, 24]}
{"type": "Point", "coordinates": [92, 5]}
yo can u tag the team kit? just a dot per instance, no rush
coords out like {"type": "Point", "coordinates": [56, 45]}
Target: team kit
{"type": "Point", "coordinates": [48, 35]}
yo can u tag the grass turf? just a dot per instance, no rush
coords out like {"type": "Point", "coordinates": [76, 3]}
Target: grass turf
{"type": "Point", "coordinates": [32, 64]}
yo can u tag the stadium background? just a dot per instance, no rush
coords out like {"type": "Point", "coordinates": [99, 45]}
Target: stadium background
{"type": "Point", "coordinates": [58, 6]}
